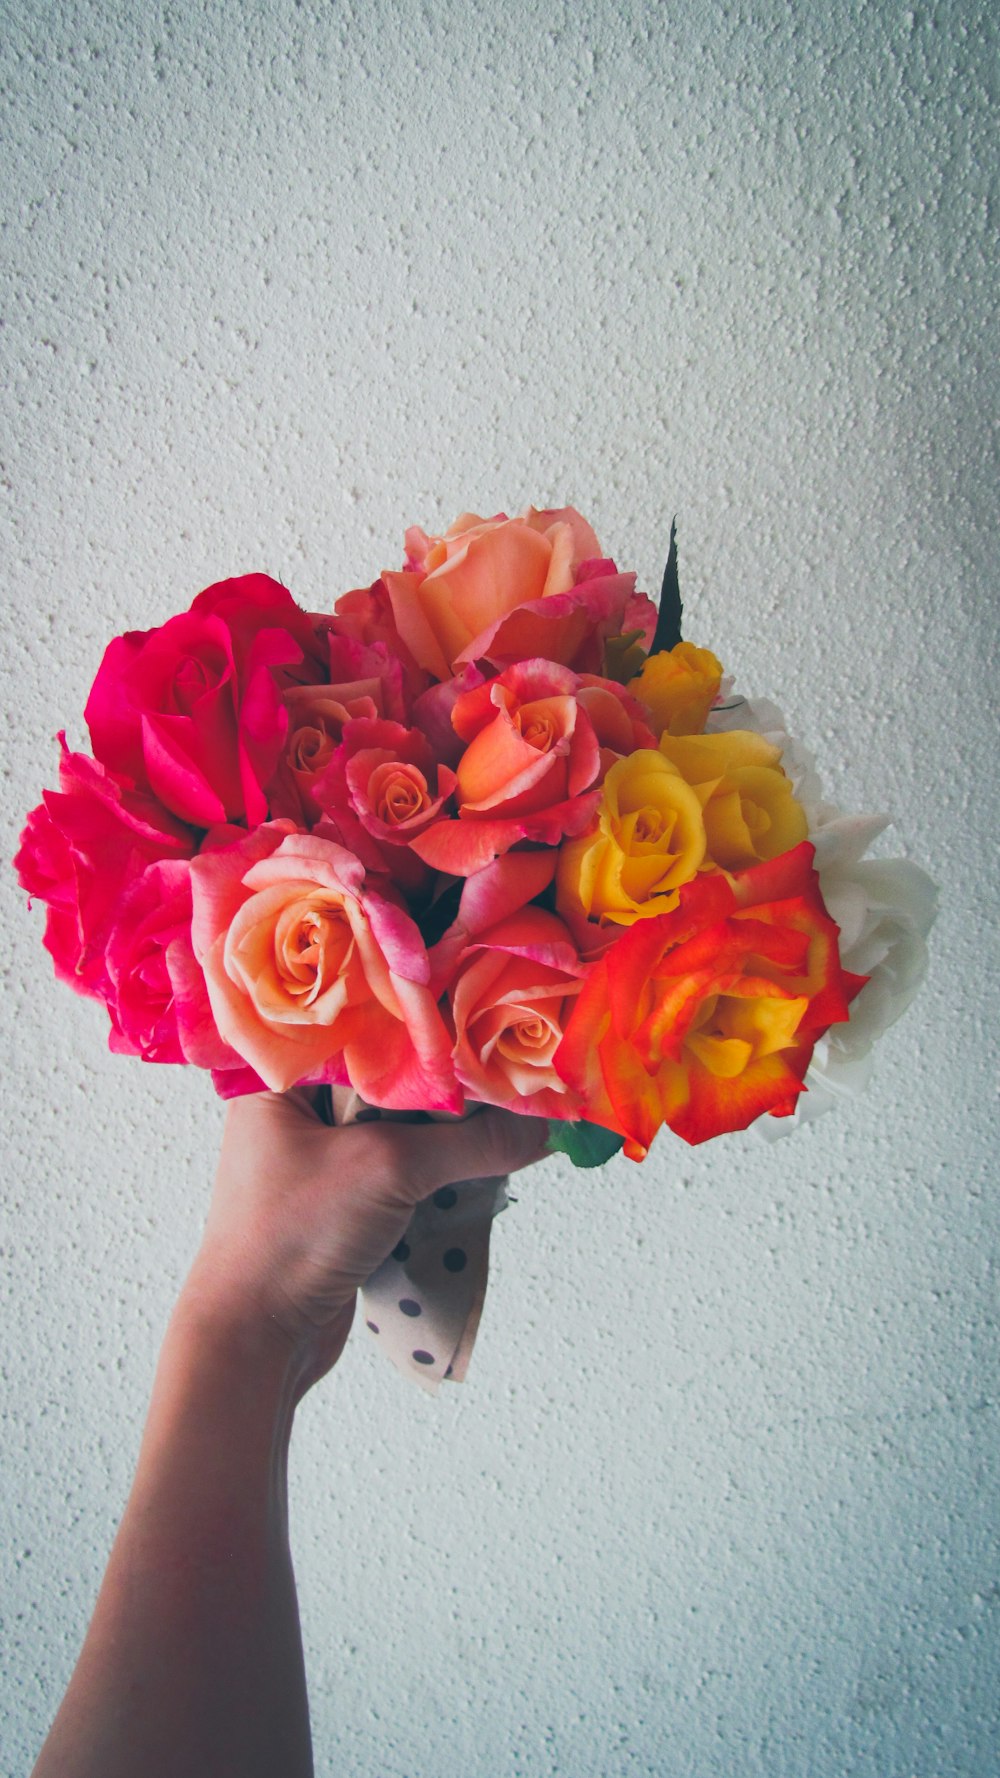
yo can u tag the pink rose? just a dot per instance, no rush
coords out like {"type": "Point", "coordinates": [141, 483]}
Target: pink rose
{"type": "Point", "coordinates": [80, 851]}
{"type": "Point", "coordinates": [192, 710]}
{"type": "Point", "coordinates": [365, 681]}
{"type": "Point", "coordinates": [364, 617]}
{"type": "Point", "coordinates": [511, 984]}
{"type": "Point", "coordinates": [313, 976]}
{"type": "Point", "coordinates": [388, 775]}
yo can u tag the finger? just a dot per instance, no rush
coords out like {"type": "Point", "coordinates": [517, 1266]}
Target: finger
{"type": "Point", "coordinates": [487, 1146]}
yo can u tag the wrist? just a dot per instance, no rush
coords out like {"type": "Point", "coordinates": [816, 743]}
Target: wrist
{"type": "Point", "coordinates": [233, 1319]}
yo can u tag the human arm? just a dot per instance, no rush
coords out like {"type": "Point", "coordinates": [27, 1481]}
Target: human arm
{"type": "Point", "coordinates": [192, 1665]}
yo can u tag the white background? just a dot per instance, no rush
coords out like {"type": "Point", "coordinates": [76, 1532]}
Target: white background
{"type": "Point", "coordinates": [278, 280]}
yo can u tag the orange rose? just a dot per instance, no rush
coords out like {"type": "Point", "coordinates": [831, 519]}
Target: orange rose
{"type": "Point", "coordinates": [531, 758]}
{"type": "Point", "coordinates": [707, 1017]}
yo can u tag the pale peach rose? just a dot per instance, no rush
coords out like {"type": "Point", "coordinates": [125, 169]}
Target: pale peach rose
{"type": "Point", "coordinates": [507, 589]}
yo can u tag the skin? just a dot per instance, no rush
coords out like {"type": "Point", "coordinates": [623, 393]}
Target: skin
{"type": "Point", "coordinates": [192, 1665]}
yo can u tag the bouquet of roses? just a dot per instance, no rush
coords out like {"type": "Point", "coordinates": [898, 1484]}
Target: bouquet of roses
{"type": "Point", "coordinates": [489, 832]}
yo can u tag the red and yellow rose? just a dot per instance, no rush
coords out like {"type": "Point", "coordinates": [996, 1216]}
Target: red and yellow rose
{"type": "Point", "coordinates": [705, 1018]}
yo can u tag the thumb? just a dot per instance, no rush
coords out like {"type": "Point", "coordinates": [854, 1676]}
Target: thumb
{"type": "Point", "coordinates": [485, 1146]}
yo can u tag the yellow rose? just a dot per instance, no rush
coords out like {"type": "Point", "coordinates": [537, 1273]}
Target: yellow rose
{"type": "Point", "coordinates": [679, 686]}
{"type": "Point", "coordinates": [748, 807]}
{"type": "Point", "coordinates": [649, 839]}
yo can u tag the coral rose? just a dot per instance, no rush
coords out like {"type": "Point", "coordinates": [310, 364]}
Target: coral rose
{"type": "Point", "coordinates": [192, 710]}
{"type": "Point", "coordinates": [526, 774]}
{"type": "Point", "coordinates": [313, 976]}
{"type": "Point", "coordinates": [706, 1017]}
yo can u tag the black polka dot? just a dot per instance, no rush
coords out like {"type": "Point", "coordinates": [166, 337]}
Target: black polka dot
{"type": "Point", "coordinates": [373, 1325]}
{"type": "Point", "coordinates": [449, 1370]}
{"type": "Point", "coordinates": [455, 1259]}
{"type": "Point", "coordinates": [446, 1197]}
{"type": "Point", "coordinates": [409, 1307]}
{"type": "Point", "coordinates": [401, 1251]}
{"type": "Point", "coordinates": [422, 1357]}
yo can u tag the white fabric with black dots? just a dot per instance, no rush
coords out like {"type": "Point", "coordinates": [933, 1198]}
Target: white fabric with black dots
{"type": "Point", "coordinates": [422, 1306]}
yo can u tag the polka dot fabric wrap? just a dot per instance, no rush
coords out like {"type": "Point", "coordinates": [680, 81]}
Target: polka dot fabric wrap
{"type": "Point", "coordinates": [423, 1304]}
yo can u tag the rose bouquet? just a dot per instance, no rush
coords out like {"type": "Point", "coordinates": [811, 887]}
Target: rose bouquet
{"type": "Point", "coordinates": [490, 832]}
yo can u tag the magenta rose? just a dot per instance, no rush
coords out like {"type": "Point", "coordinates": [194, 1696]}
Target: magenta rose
{"type": "Point", "coordinates": [159, 1003]}
{"type": "Point", "coordinates": [81, 850]}
{"type": "Point", "coordinates": [193, 711]}
{"type": "Point", "coordinates": [315, 976]}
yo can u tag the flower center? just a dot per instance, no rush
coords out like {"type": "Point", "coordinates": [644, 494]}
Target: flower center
{"type": "Point", "coordinates": [397, 793]}
{"type": "Point", "coordinates": [731, 1031]}
{"type": "Point", "coordinates": [194, 676]}
{"type": "Point", "coordinates": [310, 747]}
{"type": "Point", "coordinates": [537, 728]}
{"type": "Point", "coordinates": [529, 1038]}
{"type": "Point", "coordinates": [313, 946]}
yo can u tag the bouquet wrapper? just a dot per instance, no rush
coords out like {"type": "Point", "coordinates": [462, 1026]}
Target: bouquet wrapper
{"type": "Point", "coordinates": [423, 1304]}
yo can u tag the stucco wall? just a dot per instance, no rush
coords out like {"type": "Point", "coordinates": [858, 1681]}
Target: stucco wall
{"type": "Point", "coordinates": [719, 1495]}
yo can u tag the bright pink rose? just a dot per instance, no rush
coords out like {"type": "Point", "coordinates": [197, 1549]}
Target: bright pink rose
{"type": "Point", "coordinates": [313, 976]}
{"type": "Point", "coordinates": [193, 711]}
{"type": "Point", "coordinates": [510, 1003]}
{"type": "Point", "coordinates": [80, 851]}
{"type": "Point", "coordinates": [159, 1002]}
{"type": "Point", "coordinates": [530, 767]}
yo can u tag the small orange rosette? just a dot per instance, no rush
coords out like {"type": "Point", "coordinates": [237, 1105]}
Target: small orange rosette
{"type": "Point", "coordinates": [706, 1017]}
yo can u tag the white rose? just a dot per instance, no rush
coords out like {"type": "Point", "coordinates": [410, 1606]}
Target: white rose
{"type": "Point", "coordinates": [884, 907]}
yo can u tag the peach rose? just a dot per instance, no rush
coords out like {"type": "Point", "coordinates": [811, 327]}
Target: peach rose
{"type": "Point", "coordinates": [312, 976]}
{"type": "Point", "coordinates": [503, 590]}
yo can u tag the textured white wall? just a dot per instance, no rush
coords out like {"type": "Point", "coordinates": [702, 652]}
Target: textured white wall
{"type": "Point", "coordinates": [719, 1495]}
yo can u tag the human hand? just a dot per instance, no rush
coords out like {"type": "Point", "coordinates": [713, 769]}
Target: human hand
{"type": "Point", "coordinates": [302, 1214]}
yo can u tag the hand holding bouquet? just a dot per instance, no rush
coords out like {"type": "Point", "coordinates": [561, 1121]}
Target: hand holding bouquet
{"type": "Point", "coordinates": [491, 832]}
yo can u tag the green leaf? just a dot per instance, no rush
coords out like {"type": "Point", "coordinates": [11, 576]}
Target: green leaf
{"type": "Point", "coordinates": [587, 1145]}
{"type": "Point", "coordinates": [668, 619]}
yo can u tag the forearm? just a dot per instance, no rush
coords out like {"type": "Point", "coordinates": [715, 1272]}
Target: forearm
{"type": "Point", "coordinates": [193, 1660]}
